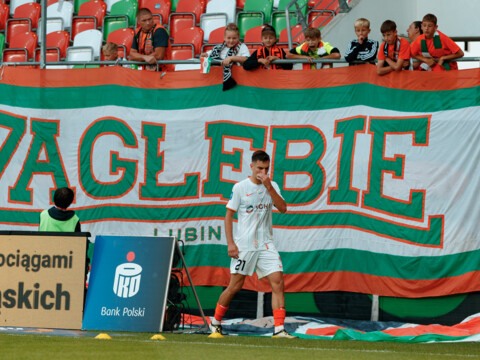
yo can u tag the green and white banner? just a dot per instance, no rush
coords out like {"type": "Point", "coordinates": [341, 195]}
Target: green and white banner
{"type": "Point", "coordinates": [380, 174]}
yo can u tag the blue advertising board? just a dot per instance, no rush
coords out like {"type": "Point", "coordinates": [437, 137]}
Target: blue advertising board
{"type": "Point", "coordinates": [128, 283]}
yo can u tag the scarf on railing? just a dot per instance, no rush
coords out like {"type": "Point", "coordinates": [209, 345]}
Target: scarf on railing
{"type": "Point", "coordinates": [228, 81]}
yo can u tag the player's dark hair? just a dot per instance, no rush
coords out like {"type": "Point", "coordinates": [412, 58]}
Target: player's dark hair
{"type": "Point", "coordinates": [63, 197]}
{"type": "Point", "coordinates": [431, 18]}
{"type": "Point", "coordinates": [260, 155]}
{"type": "Point", "coordinates": [418, 25]}
{"type": "Point", "coordinates": [388, 25]}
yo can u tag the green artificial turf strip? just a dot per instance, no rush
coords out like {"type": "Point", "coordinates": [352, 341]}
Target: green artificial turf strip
{"type": "Point", "coordinates": [186, 346]}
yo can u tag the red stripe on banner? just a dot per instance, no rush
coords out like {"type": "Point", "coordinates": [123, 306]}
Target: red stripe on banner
{"type": "Point", "coordinates": [345, 281]}
{"type": "Point", "coordinates": [324, 331]}
{"type": "Point", "coordinates": [305, 79]}
{"type": "Point", "coordinates": [467, 328]}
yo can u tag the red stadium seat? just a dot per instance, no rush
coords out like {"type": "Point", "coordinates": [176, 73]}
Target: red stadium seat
{"type": "Point", "coordinates": [90, 16]}
{"type": "Point", "coordinates": [187, 15]}
{"type": "Point", "coordinates": [319, 18]}
{"type": "Point", "coordinates": [331, 5]}
{"type": "Point", "coordinates": [253, 37]}
{"type": "Point", "coordinates": [59, 40]}
{"type": "Point", "coordinates": [297, 35]}
{"type": "Point", "coordinates": [123, 38]}
{"type": "Point", "coordinates": [157, 7]}
{"type": "Point", "coordinates": [193, 36]}
{"type": "Point", "coordinates": [21, 48]}
{"type": "Point", "coordinates": [4, 10]}
{"type": "Point", "coordinates": [180, 52]}
{"type": "Point", "coordinates": [24, 20]}
{"type": "Point", "coordinates": [240, 4]}
{"type": "Point", "coordinates": [217, 36]}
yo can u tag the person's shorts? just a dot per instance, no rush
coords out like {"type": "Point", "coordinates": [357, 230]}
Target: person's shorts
{"type": "Point", "coordinates": [265, 262]}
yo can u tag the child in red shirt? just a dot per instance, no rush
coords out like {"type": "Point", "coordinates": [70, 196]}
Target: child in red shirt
{"type": "Point", "coordinates": [434, 48]}
{"type": "Point", "coordinates": [394, 53]}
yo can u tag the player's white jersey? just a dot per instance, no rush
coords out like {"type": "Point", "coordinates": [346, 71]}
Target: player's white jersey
{"type": "Point", "coordinates": [253, 205]}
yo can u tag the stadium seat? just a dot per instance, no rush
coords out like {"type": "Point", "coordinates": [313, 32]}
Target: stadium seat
{"type": "Point", "coordinates": [16, 3]}
{"type": "Point", "coordinates": [223, 6]}
{"type": "Point", "coordinates": [255, 13]}
{"type": "Point", "coordinates": [112, 23]}
{"type": "Point", "coordinates": [240, 4]}
{"type": "Point", "coordinates": [253, 37]}
{"type": "Point", "coordinates": [50, 2]}
{"type": "Point", "coordinates": [123, 38]}
{"type": "Point", "coordinates": [51, 54]}
{"type": "Point", "coordinates": [22, 48]}
{"type": "Point", "coordinates": [174, 5]}
{"type": "Point", "coordinates": [84, 53]}
{"type": "Point", "coordinates": [191, 36]}
{"type": "Point", "coordinates": [331, 5]}
{"type": "Point", "coordinates": [186, 16]}
{"type": "Point", "coordinates": [92, 38]}
{"type": "Point", "coordinates": [180, 52]}
{"type": "Point", "coordinates": [24, 20]}
{"type": "Point", "coordinates": [110, 4]}
{"type": "Point", "coordinates": [90, 16]}
{"type": "Point", "coordinates": [59, 40]}
{"type": "Point", "coordinates": [53, 24]}
{"type": "Point", "coordinates": [219, 13]}
{"type": "Point", "coordinates": [297, 35]}
{"type": "Point", "coordinates": [279, 21]}
{"type": "Point", "coordinates": [4, 11]}
{"type": "Point", "coordinates": [63, 10]}
{"type": "Point", "coordinates": [125, 7]}
{"type": "Point", "coordinates": [319, 18]}
{"type": "Point", "coordinates": [216, 37]}
{"type": "Point", "coordinates": [159, 8]}
{"type": "Point", "coordinates": [2, 45]}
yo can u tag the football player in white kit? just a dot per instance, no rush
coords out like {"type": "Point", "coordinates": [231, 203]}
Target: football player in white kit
{"type": "Point", "coordinates": [252, 247]}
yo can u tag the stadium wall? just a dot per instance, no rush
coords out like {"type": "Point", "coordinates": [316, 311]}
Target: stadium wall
{"type": "Point", "coordinates": [379, 173]}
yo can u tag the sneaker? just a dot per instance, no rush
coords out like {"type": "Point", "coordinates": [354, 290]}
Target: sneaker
{"type": "Point", "coordinates": [284, 334]}
{"type": "Point", "coordinates": [216, 329]}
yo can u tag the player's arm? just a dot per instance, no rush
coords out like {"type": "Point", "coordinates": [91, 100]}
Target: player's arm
{"type": "Point", "coordinates": [396, 66]}
{"type": "Point", "coordinates": [232, 247]}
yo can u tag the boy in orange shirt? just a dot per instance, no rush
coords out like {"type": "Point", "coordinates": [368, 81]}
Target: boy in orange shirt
{"type": "Point", "coordinates": [394, 53]}
{"type": "Point", "coordinates": [434, 48]}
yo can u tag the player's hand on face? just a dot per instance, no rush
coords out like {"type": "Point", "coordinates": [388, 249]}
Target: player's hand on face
{"type": "Point", "coordinates": [264, 178]}
{"type": "Point", "coordinates": [233, 251]}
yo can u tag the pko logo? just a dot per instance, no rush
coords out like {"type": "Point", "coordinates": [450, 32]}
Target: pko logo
{"type": "Point", "coordinates": [127, 278]}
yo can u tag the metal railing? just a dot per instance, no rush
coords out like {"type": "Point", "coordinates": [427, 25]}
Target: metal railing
{"type": "Point", "coordinates": [190, 61]}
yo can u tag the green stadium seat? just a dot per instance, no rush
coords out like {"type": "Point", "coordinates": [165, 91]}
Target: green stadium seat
{"type": "Point", "coordinates": [279, 21]}
{"type": "Point", "coordinates": [255, 13]}
{"type": "Point", "coordinates": [125, 7]}
{"type": "Point", "coordinates": [112, 23]}
{"type": "Point", "coordinates": [2, 44]}
{"type": "Point", "coordinates": [174, 5]}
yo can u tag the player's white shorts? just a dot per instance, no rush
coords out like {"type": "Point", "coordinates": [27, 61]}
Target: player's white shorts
{"type": "Point", "coordinates": [265, 262]}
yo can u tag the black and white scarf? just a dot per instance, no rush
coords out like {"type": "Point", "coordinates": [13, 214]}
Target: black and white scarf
{"type": "Point", "coordinates": [228, 81]}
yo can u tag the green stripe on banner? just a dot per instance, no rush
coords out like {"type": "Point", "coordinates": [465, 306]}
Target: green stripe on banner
{"type": "Point", "coordinates": [349, 334]}
{"type": "Point", "coordinates": [428, 236]}
{"type": "Point", "coordinates": [242, 96]}
{"type": "Point", "coordinates": [364, 262]}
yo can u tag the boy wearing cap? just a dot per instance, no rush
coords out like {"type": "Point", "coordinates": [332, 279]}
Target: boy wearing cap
{"type": "Point", "coordinates": [270, 51]}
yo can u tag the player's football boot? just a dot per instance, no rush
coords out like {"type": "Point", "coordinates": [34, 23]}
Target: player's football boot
{"type": "Point", "coordinates": [284, 334]}
{"type": "Point", "coordinates": [216, 329]}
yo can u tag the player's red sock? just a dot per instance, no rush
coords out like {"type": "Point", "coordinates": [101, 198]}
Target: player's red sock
{"type": "Point", "coordinates": [220, 311]}
{"type": "Point", "coordinates": [279, 317]}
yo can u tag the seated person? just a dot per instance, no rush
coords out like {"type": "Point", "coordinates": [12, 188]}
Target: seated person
{"type": "Point", "coordinates": [110, 53]}
{"type": "Point", "coordinates": [394, 54]}
{"type": "Point", "coordinates": [150, 42]}
{"type": "Point", "coordinates": [314, 48]}
{"type": "Point", "coordinates": [230, 52]}
{"type": "Point", "coordinates": [361, 50]}
{"type": "Point", "coordinates": [434, 48]}
{"type": "Point", "coordinates": [267, 53]}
